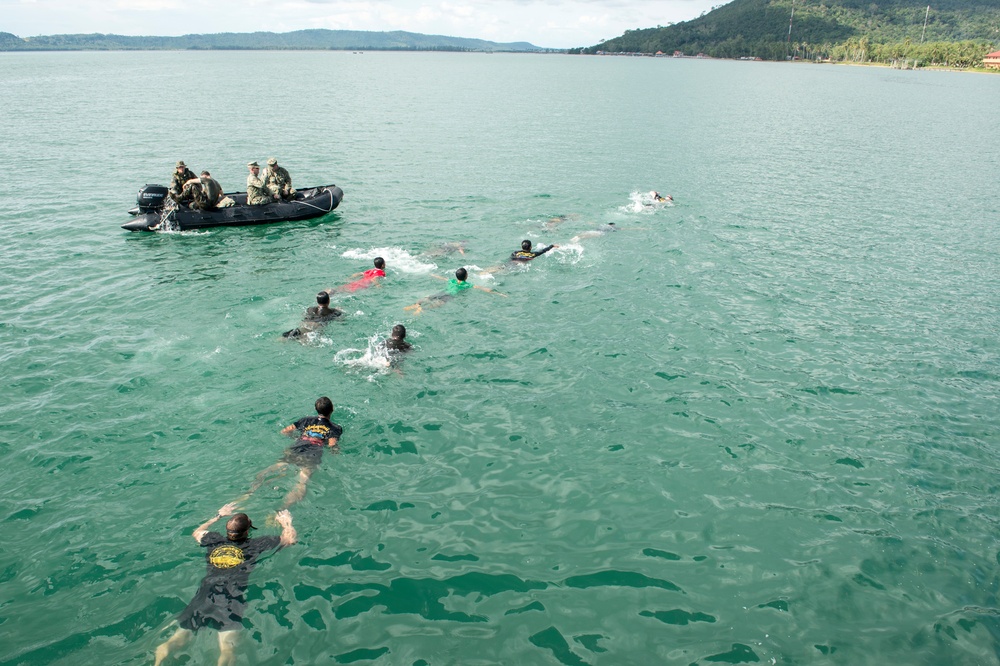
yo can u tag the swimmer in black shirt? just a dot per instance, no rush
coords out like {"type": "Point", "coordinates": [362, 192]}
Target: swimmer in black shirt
{"type": "Point", "coordinates": [220, 602]}
{"type": "Point", "coordinates": [397, 341]}
{"type": "Point", "coordinates": [314, 433]}
{"type": "Point", "coordinates": [526, 254]}
{"type": "Point", "coordinates": [316, 317]}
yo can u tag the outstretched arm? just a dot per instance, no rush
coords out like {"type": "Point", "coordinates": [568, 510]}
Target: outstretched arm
{"type": "Point", "coordinates": [289, 430]}
{"type": "Point", "coordinates": [288, 534]}
{"type": "Point", "coordinates": [492, 291]}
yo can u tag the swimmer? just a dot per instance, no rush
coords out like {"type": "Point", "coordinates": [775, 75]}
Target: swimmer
{"type": "Point", "coordinates": [220, 601]}
{"type": "Point", "coordinates": [397, 340]}
{"type": "Point", "coordinates": [445, 249]}
{"type": "Point", "coordinates": [313, 434]}
{"type": "Point", "coordinates": [659, 198]}
{"type": "Point", "coordinates": [455, 285]}
{"type": "Point", "coordinates": [594, 233]}
{"type": "Point", "coordinates": [368, 278]}
{"type": "Point", "coordinates": [556, 220]}
{"type": "Point", "coordinates": [523, 255]}
{"type": "Point", "coordinates": [526, 253]}
{"type": "Point", "coordinates": [316, 317]}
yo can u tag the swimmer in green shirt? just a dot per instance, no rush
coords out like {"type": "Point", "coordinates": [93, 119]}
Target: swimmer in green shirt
{"type": "Point", "coordinates": [455, 285]}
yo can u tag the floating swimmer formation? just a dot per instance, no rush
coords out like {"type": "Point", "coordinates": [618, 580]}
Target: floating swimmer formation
{"type": "Point", "coordinates": [220, 601]}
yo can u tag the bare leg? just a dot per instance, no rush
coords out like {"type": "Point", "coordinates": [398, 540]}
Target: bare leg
{"type": "Point", "coordinates": [227, 647]}
{"type": "Point", "coordinates": [274, 471]}
{"type": "Point", "coordinates": [180, 637]}
{"type": "Point", "coordinates": [299, 491]}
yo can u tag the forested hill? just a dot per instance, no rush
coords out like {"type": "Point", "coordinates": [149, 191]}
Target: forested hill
{"type": "Point", "coordinates": [749, 28]}
{"type": "Point", "coordinates": [301, 39]}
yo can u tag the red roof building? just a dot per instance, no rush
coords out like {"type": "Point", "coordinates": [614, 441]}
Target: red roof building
{"type": "Point", "coordinates": [992, 60]}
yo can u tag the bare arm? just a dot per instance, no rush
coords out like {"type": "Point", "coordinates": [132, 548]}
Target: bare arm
{"type": "Point", "coordinates": [202, 530]}
{"type": "Point", "coordinates": [492, 291]}
{"type": "Point", "coordinates": [288, 534]}
{"type": "Point", "coordinates": [332, 442]}
{"type": "Point", "coordinates": [288, 430]}
{"type": "Point", "coordinates": [438, 277]}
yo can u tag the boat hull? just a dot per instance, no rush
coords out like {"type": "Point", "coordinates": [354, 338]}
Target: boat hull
{"type": "Point", "coordinates": [307, 204]}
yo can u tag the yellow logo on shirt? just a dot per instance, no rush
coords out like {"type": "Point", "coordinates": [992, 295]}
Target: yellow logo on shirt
{"type": "Point", "coordinates": [226, 557]}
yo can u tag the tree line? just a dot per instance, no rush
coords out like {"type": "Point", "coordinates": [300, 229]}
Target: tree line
{"type": "Point", "coordinates": [958, 32]}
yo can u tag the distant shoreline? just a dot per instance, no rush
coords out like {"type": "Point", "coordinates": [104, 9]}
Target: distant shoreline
{"type": "Point", "coordinates": [926, 68]}
{"type": "Point", "coordinates": [540, 51]}
{"type": "Point", "coordinates": [942, 68]}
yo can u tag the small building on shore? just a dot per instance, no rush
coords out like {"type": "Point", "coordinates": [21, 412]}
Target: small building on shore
{"type": "Point", "coordinates": [992, 60]}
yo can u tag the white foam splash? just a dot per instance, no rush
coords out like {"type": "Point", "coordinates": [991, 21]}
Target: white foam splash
{"type": "Point", "coordinates": [567, 253]}
{"type": "Point", "coordinates": [375, 356]}
{"type": "Point", "coordinates": [396, 259]}
{"type": "Point", "coordinates": [573, 247]}
{"type": "Point", "coordinates": [644, 202]}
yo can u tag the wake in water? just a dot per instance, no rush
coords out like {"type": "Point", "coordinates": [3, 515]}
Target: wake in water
{"type": "Point", "coordinates": [646, 202]}
{"type": "Point", "coordinates": [398, 259]}
{"type": "Point", "coordinates": [375, 357]}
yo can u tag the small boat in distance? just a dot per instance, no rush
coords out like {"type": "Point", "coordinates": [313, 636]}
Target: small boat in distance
{"type": "Point", "coordinates": [154, 211]}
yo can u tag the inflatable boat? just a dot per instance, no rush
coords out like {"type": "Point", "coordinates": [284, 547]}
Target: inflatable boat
{"type": "Point", "coordinates": [154, 211]}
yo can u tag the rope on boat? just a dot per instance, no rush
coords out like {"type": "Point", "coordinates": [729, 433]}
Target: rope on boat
{"type": "Point", "coordinates": [325, 210]}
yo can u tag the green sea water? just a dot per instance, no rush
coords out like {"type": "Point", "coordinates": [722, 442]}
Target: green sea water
{"type": "Point", "coordinates": [757, 425]}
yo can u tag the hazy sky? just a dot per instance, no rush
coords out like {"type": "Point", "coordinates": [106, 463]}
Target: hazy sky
{"type": "Point", "coordinates": [547, 23]}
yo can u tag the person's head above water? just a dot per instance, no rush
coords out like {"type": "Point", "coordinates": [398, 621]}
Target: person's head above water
{"type": "Point", "coordinates": [461, 274]}
{"type": "Point", "coordinates": [379, 262]}
{"type": "Point", "coordinates": [526, 245]}
{"type": "Point", "coordinates": [238, 527]}
{"type": "Point", "coordinates": [324, 406]}
{"type": "Point", "coordinates": [399, 332]}
{"type": "Point", "coordinates": [323, 298]}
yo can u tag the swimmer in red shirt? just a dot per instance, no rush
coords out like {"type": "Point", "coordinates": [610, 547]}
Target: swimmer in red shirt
{"type": "Point", "coordinates": [368, 278]}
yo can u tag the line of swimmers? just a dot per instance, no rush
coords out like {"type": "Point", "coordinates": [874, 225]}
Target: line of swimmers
{"type": "Point", "coordinates": [317, 316]}
{"type": "Point", "coordinates": [220, 600]}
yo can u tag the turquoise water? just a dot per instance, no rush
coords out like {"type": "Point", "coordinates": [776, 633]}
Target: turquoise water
{"type": "Point", "coordinates": [758, 424]}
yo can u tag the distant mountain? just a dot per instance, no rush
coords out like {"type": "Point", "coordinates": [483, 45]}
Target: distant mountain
{"type": "Point", "coordinates": [748, 28]}
{"type": "Point", "coordinates": [345, 40]}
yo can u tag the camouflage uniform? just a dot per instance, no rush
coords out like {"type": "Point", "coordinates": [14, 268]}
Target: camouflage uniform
{"type": "Point", "coordinates": [278, 180]}
{"type": "Point", "coordinates": [177, 183]}
{"type": "Point", "coordinates": [257, 193]}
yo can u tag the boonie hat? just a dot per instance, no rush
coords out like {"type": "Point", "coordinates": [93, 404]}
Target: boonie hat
{"type": "Point", "coordinates": [253, 164]}
{"type": "Point", "coordinates": [180, 164]}
{"type": "Point", "coordinates": [271, 161]}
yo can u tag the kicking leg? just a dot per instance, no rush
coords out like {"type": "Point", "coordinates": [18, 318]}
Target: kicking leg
{"type": "Point", "coordinates": [299, 491]}
{"type": "Point", "coordinates": [180, 637]}
{"type": "Point", "coordinates": [227, 647]}
{"type": "Point", "coordinates": [275, 471]}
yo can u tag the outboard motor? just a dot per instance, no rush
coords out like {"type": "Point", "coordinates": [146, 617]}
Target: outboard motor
{"type": "Point", "coordinates": [150, 198]}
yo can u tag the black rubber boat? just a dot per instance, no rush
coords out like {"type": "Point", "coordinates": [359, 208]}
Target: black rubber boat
{"type": "Point", "coordinates": [155, 211]}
